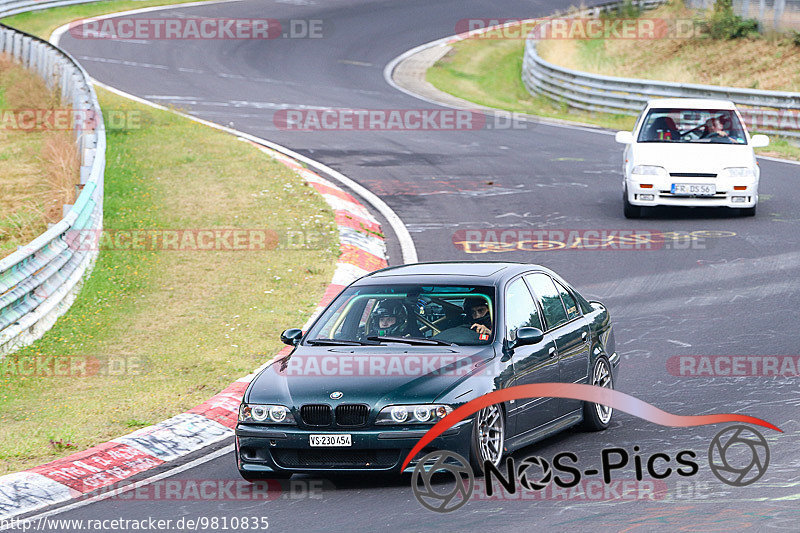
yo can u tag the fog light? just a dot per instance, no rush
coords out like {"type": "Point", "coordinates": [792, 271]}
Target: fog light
{"type": "Point", "coordinates": [738, 199]}
{"type": "Point", "coordinates": [646, 197]}
{"type": "Point", "coordinates": [739, 187]}
{"type": "Point", "coordinates": [645, 185]}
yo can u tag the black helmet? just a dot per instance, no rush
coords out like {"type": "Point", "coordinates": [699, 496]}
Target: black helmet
{"type": "Point", "coordinates": [470, 303]}
{"type": "Point", "coordinates": [474, 301]}
{"type": "Point", "coordinates": [386, 310]}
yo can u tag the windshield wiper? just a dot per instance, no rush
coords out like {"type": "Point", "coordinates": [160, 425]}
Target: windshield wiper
{"type": "Point", "coordinates": [417, 341]}
{"type": "Point", "coordinates": [340, 342]}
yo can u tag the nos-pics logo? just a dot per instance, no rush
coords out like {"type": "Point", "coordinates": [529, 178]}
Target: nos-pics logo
{"type": "Point", "coordinates": [738, 456]}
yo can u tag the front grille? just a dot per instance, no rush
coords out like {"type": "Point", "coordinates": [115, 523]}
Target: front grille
{"type": "Point", "coordinates": [316, 414]}
{"type": "Point", "coordinates": [351, 415]}
{"type": "Point", "coordinates": [289, 458]}
{"type": "Point", "coordinates": [692, 175]}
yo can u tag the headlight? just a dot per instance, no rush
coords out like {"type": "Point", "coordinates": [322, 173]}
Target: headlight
{"type": "Point", "coordinates": [267, 414]}
{"type": "Point", "coordinates": [738, 172]}
{"type": "Point", "coordinates": [648, 170]}
{"type": "Point", "coordinates": [413, 414]}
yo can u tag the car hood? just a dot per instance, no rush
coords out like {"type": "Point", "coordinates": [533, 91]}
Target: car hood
{"type": "Point", "coordinates": [376, 376]}
{"type": "Point", "coordinates": [689, 157]}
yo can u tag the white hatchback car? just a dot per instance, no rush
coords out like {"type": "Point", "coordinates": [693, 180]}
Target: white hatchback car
{"type": "Point", "coordinates": [690, 152]}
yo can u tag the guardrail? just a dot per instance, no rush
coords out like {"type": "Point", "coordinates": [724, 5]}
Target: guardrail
{"type": "Point", "coordinates": [774, 112]}
{"type": "Point", "coordinates": [39, 281]}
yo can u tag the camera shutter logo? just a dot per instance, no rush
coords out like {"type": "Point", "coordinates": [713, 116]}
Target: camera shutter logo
{"type": "Point", "coordinates": [456, 495]}
{"type": "Point", "coordinates": [738, 455]}
{"type": "Point", "coordinates": [524, 469]}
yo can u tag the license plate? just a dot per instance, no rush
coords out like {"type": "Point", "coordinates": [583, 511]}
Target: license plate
{"type": "Point", "coordinates": [342, 439]}
{"type": "Point", "coordinates": [693, 189]}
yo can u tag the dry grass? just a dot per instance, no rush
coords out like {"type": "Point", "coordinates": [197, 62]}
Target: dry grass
{"type": "Point", "coordinates": [758, 63]}
{"type": "Point", "coordinates": [38, 167]}
{"type": "Point", "coordinates": [187, 323]}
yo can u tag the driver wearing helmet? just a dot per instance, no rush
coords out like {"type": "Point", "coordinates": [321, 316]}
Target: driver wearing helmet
{"type": "Point", "coordinates": [477, 311]}
{"type": "Point", "coordinates": [391, 318]}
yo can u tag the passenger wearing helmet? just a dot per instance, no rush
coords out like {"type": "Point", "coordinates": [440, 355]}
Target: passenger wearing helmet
{"type": "Point", "coordinates": [391, 318]}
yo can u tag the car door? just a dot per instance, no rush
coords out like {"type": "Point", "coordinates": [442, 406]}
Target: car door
{"type": "Point", "coordinates": [570, 332]}
{"type": "Point", "coordinates": [536, 363]}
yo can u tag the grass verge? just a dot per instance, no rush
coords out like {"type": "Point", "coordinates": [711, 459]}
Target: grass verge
{"type": "Point", "coordinates": [755, 62]}
{"type": "Point", "coordinates": [38, 165]}
{"type": "Point", "coordinates": [167, 329]}
{"type": "Point", "coordinates": [155, 332]}
{"type": "Point", "coordinates": [42, 23]}
{"type": "Point", "coordinates": [488, 72]}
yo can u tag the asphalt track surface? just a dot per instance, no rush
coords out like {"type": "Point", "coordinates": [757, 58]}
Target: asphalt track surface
{"type": "Point", "coordinates": [730, 294]}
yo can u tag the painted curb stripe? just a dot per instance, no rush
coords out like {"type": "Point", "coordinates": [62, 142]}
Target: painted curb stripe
{"type": "Point", "coordinates": [362, 251]}
{"type": "Point", "coordinates": [98, 467]}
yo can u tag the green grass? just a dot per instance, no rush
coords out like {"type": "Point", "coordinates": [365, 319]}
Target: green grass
{"type": "Point", "coordinates": [42, 23]}
{"type": "Point", "coordinates": [185, 324]}
{"type": "Point", "coordinates": [488, 72]}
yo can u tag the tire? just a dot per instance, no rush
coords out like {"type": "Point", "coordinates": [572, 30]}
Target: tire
{"type": "Point", "coordinates": [488, 438]}
{"type": "Point", "coordinates": [261, 476]}
{"type": "Point", "coordinates": [630, 210]}
{"type": "Point", "coordinates": [747, 211]}
{"type": "Point", "coordinates": [597, 417]}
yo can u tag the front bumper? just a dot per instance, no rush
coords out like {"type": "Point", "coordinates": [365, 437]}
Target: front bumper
{"type": "Point", "coordinates": [659, 192]}
{"type": "Point", "coordinates": [287, 450]}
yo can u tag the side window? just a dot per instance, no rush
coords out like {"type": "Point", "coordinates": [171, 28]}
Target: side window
{"type": "Point", "coordinates": [521, 310]}
{"type": "Point", "coordinates": [548, 296]}
{"type": "Point", "coordinates": [569, 301]}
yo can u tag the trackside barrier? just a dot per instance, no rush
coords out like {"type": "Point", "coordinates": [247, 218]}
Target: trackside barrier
{"type": "Point", "coordinates": [774, 112]}
{"type": "Point", "coordinates": [39, 281]}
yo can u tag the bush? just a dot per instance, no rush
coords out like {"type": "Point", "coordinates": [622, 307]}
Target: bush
{"type": "Point", "coordinates": [626, 10]}
{"type": "Point", "coordinates": [723, 23]}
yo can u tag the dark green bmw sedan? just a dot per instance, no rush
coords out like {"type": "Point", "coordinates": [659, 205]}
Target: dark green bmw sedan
{"type": "Point", "coordinates": [399, 349]}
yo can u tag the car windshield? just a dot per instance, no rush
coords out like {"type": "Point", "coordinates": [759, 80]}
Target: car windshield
{"type": "Point", "coordinates": [408, 314]}
{"type": "Point", "coordinates": [711, 126]}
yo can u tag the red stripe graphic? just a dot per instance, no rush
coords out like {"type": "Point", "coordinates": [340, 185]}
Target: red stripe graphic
{"type": "Point", "coordinates": [588, 393]}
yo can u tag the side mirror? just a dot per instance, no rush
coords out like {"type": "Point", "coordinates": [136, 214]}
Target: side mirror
{"type": "Point", "coordinates": [291, 336]}
{"type": "Point", "coordinates": [526, 336]}
{"type": "Point", "coordinates": [624, 137]}
{"type": "Point", "coordinates": [759, 141]}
